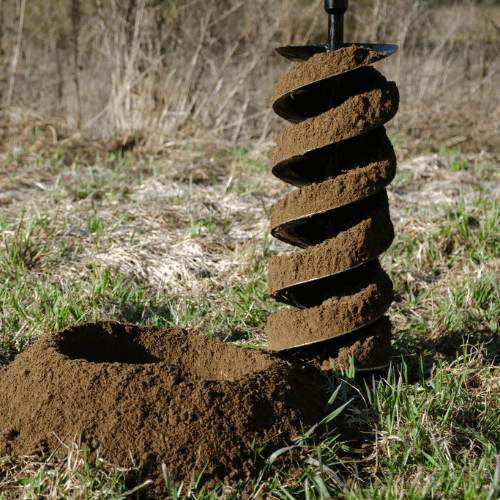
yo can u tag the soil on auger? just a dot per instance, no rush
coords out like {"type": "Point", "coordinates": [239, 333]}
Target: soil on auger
{"type": "Point", "coordinates": [338, 153]}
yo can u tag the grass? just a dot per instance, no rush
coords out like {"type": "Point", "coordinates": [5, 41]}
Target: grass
{"type": "Point", "coordinates": [141, 240]}
{"type": "Point", "coordinates": [453, 154]}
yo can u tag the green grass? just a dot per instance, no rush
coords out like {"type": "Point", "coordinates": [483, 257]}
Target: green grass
{"type": "Point", "coordinates": [456, 162]}
{"type": "Point", "coordinates": [431, 421]}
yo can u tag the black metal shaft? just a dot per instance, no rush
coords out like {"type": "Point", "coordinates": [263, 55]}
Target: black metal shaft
{"type": "Point", "coordinates": [336, 10]}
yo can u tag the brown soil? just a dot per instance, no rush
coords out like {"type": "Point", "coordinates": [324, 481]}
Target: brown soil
{"type": "Point", "coordinates": [370, 347]}
{"type": "Point", "coordinates": [168, 395]}
{"type": "Point", "coordinates": [351, 154]}
{"type": "Point", "coordinates": [355, 116]}
{"type": "Point", "coordinates": [369, 171]}
{"type": "Point", "coordinates": [322, 66]}
{"type": "Point", "coordinates": [355, 304]}
{"type": "Point", "coordinates": [358, 243]}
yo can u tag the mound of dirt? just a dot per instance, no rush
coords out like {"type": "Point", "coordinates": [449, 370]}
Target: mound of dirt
{"type": "Point", "coordinates": [167, 395]}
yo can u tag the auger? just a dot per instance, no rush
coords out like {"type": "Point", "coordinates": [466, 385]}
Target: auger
{"type": "Point", "coordinates": [336, 151]}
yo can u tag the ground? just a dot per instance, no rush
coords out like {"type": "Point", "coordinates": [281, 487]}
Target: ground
{"type": "Point", "coordinates": [181, 238]}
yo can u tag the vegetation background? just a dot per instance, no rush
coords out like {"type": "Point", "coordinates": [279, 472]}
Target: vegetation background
{"type": "Point", "coordinates": [205, 69]}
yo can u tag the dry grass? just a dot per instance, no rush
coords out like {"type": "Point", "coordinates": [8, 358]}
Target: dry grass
{"type": "Point", "coordinates": [163, 72]}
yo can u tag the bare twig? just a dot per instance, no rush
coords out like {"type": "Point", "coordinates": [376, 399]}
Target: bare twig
{"type": "Point", "coordinates": [15, 57]}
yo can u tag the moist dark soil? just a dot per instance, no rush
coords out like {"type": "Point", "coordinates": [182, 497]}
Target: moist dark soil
{"type": "Point", "coordinates": [167, 395]}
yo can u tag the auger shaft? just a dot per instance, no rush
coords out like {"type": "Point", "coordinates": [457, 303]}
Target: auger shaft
{"type": "Point", "coordinates": [336, 10]}
{"type": "Point", "coordinates": [338, 153]}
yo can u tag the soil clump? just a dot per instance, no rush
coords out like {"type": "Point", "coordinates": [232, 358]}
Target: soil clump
{"type": "Point", "coordinates": [324, 65]}
{"type": "Point", "coordinates": [168, 395]}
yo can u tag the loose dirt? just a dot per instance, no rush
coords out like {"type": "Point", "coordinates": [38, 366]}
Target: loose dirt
{"type": "Point", "coordinates": [370, 347]}
{"type": "Point", "coordinates": [355, 116]}
{"type": "Point", "coordinates": [167, 395]}
{"type": "Point", "coordinates": [356, 243]}
{"type": "Point", "coordinates": [359, 298]}
{"type": "Point", "coordinates": [366, 165]}
{"type": "Point", "coordinates": [324, 65]}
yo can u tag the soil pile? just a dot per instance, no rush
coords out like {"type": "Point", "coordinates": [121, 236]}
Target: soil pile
{"type": "Point", "coordinates": [167, 395]}
{"type": "Point", "coordinates": [339, 149]}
